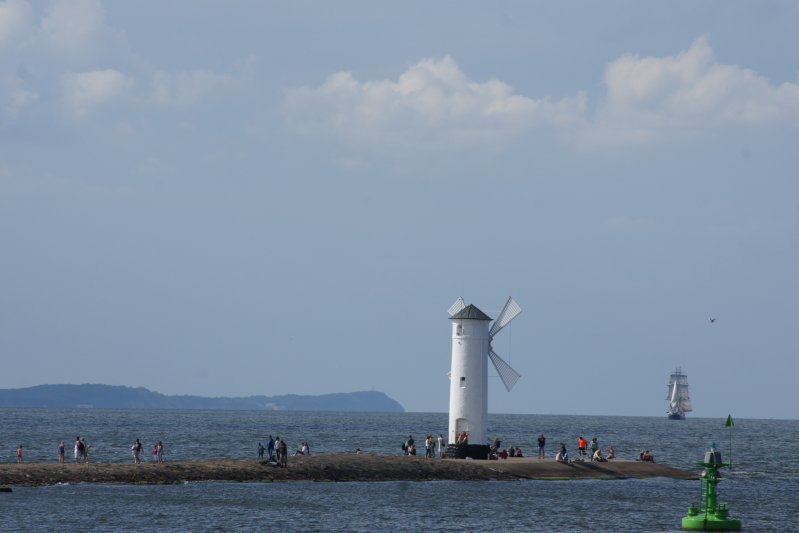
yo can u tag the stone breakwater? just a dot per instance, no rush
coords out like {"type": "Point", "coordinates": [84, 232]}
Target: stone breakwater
{"type": "Point", "coordinates": [330, 467]}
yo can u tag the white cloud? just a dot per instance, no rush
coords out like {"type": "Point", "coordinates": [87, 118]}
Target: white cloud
{"type": "Point", "coordinates": [652, 97]}
{"type": "Point", "coordinates": [431, 104]}
{"type": "Point", "coordinates": [186, 88]}
{"type": "Point", "coordinates": [82, 91]}
{"type": "Point", "coordinates": [15, 17]}
{"type": "Point", "coordinates": [71, 25]}
{"type": "Point", "coordinates": [434, 104]}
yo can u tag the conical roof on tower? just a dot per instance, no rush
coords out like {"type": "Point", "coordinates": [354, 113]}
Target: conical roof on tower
{"type": "Point", "coordinates": [470, 312]}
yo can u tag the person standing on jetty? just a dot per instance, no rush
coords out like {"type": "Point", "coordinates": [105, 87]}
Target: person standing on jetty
{"type": "Point", "coordinates": [408, 444]}
{"type": "Point", "coordinates": [261, 451]}
{"type": "Point", "coordinates": [542, 441]}
{"type": "Point", "coordinates": [159, 451]}
{"type": "Point", "coordinates": [441, 445]}
{"type": "Point", "coordinates": [19, 454]}
{"type": "Point", "coordinates": [85, 450]}
{"type": "Point", "coordinates": [270, 447]}
{"type": "Point", "coordinates": [594, 446]}
{"type": "Point", "coordinates": [282, 453]}
{"type": "Point", "coordinates": [136, 449]}
{"type": "Point", "coordinates": [410, 447]}
{"type": "Point", "coordinates": [582, 444]}
{"type": "Point", "coordinates": [78, 450]}
{"type": "Point", "coordinates": [62, 449]}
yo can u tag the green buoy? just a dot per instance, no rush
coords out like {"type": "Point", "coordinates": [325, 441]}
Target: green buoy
{"type": "Point", "coordinates": [714, 516]}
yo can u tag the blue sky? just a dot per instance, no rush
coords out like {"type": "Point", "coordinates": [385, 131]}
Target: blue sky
{"type": "Point", "coordinates": [265, 198]}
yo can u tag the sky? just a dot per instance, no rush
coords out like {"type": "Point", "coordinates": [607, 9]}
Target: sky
{"type": "Point", "coordinates": [249, 197]}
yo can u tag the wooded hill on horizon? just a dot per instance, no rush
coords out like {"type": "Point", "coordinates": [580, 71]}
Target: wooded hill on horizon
{"type": "Point", "coordinates": [122, 397]}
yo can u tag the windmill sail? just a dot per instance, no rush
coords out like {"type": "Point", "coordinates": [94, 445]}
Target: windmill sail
{"type": "Point", "coordinates": [457, 306]}
{"type": "Point", "coordinates": [679, 400]}
{"type": "Point", "coordinates": [506, 373]}
{"type": "Point", "coordinates": [508, 313]}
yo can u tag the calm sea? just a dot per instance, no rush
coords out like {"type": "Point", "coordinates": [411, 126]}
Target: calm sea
{"type": "Point", "coordinates": [762, 488]}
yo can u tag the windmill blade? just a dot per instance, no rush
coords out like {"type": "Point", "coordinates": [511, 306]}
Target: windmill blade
{"type": "Point", "coordinates": [457, 306]}
{"type": "Point", "coordinates": [507, 374]}
{"type": "Point", "coordinates": [508, 313]}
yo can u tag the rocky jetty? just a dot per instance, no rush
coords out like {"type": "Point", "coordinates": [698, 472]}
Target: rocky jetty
{"type": "Point", "coordinates": [329, 467]}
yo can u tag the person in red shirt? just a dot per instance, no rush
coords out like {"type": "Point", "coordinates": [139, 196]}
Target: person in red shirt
{"type": "Point", "coordinates": [581, 445]}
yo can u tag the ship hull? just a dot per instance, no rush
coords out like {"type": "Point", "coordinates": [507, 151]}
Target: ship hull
{"type": "Point", "coordinates": [676, 416]}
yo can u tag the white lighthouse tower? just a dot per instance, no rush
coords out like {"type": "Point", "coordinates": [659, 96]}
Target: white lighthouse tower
{"type": "Point", "coordinates": [471, 350]}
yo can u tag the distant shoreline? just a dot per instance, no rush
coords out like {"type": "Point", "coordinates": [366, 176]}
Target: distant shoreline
{"type": "Point", "coordinates": [329, 467]}
{"type": "Point", "coordinates": [99, 396]}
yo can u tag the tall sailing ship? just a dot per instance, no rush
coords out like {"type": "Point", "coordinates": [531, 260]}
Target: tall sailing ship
{"type": "Point", "coordinates": [679, 401]}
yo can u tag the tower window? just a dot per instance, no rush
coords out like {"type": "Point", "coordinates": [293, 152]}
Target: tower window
{"type": "Point", "coordinates": [459, 330]}
{"type": "Point", "coordinates": [463, 382]}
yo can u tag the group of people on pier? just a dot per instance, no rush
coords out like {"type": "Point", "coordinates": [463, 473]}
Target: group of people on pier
{"type": "Point", "coordinates": [81, 451]}
{"type": "Point", "coordinates": [430, 443]}
{"type": "Point", "coordinates": [585, 450]}
{"type": "Point", "coordinates": [277, 451]}
{"type": "Point", "coordinates": [157, 451]}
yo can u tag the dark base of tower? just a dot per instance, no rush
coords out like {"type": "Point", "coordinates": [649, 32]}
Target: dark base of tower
{"type": "Point", "coordinates": [467, 451]}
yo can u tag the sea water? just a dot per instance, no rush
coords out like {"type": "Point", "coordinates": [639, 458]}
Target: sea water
{"type": "Point", "coordinates": [762, 488]}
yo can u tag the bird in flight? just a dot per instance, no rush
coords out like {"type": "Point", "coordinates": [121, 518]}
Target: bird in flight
{"type": "Point", "coordinates": [712, 320]}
